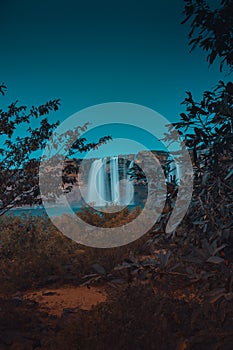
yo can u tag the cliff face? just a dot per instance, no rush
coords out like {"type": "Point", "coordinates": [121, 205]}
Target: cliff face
{"type": "Point", "coordinates": [77, 173]}
{"type": "Point", "coordinates": [79, 168]}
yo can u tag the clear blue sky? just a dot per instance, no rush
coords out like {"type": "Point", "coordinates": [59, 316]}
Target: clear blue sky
{"type": "Point", "coordinates": [90, 52]}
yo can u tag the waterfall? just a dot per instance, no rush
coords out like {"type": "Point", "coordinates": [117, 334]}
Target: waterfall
{"type": "Point", "coordinates": [114, 179]}
{"type": "Point", "coordinates": [97, 190]}
{"type": "Point", "coordinates": [104, 188]}
{"type": "Point", "coordinates": [129, 191]}
{"type": "Point", "coordinates": [175, 170]}
{"type": "Point", "coordinates": [127, 186]}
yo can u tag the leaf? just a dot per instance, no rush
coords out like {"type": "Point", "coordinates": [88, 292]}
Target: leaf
{"type": "Point", "coordinates": [91, 281]}
{"type": "Point", "coordinates": [216, 294]}
{"type": "Point", "coordinates": [205, 178]}
{"type": "Point", "coordinates": [3, 89]}
{"type": "Point", "coordinates": [217, 291]}
{"type": "Point", "coordinates": [184, 117]}
{"type": "Point", "coordinates": [121, 267]}
{"type": "Point", "coordinates": [100, 269]}
{"type": "Point", "coordinates": [215, 260]}
{"type": "Point", "coordinates": [166, 257]}
{"type": "Point", "coordinates": [212, 56]}
{"type": "Point", "coordinates": [174, 267]}
{"type": "Point", "coordinates": [229, 174]}
{"type": "Point", "coordinates": [219, 248]}
{"type": "Point", "coordinates": [208, 247]}
{"type": "Point", "coordinates": [118, 281]}
{"type": "Point", "coordinates": [89, 275]}
{"type": "Point", "coordinates": [199, 222]}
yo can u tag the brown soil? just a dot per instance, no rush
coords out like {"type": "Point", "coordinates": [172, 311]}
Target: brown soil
{"type": "Point", "coordinates": [54, 301]}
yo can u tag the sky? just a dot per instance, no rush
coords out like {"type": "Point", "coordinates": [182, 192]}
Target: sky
{"type": "Point", "coordinates": [93, 52]}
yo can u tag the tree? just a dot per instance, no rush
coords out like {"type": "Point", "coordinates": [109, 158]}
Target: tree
{"type": "Point", "coordinates": [19, 162]}
{"type": "Point", "coordinates": [211, 29]}
{"type": "Point", "coordinates": [207, 127]}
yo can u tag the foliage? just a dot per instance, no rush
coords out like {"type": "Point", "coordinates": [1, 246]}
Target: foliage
{"type": "Point", "coordinates": [207, 128]}
{"type": "Point", "coordinates": [210, 136]}
{"type": "Point", "coordinates": [34, 253]}
{"type": "Point", "coordinates": [136, 317]}
{"type": "Point", "coordinates": [165, 294]}
{"type": "Point", "coordinates": [108, 219]}
{"type": "Point", "coordinates": [211, 29]}
{"type": "Point", "coordinates": [20, 153]}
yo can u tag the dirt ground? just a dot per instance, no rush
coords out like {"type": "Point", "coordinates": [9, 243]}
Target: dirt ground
{"type": "Point", "coordinates": [67, 298]}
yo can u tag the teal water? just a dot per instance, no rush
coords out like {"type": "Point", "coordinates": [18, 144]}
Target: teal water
{"type": "Point", "coordinates": [54, 211]}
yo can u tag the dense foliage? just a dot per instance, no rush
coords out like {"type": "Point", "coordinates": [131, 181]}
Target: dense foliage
{"type": "Point", "coordinates": [21, 146]}
{"type": "Point", "coordinates": [211, 29]}
{"type": "Point", "coordinates": [207, 128]}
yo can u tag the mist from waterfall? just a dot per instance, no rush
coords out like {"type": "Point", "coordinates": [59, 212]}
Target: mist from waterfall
{"type": "Point", "coordinates": [108, 185]}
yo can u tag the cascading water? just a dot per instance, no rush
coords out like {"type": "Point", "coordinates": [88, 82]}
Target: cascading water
{"type": "Point", "coordinates": [98, 191]}
{"type": "Point", "coordinates": [129, 191]}
{"type": "Point", "coordinates": [114, 180]}
{"type": "Point", "coordinates": [175, 170]}
{"type": "Point", "coordinates": [104, 188]}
